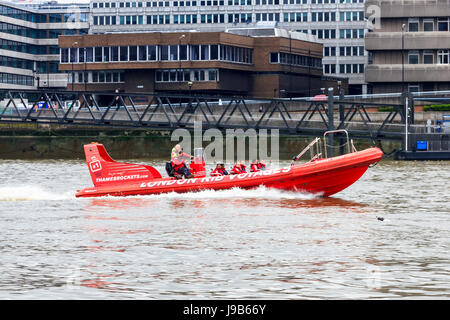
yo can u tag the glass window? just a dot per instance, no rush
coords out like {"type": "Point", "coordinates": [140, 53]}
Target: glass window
{"type": "Point", "coordinates": [195, 52]}
{"type": "Point", "coordinates": [142, 53]}
{"type": "Point", "coordinates": [183, 52]}
{"type": "Point", "coordinates": [413, 25]}
{"type": "Point", "coordinates": [123, 53]}
{"type": "Point", "coordinates": [214, 50]}
{"type": "Point", "coordinates": [133, 53]}
{"type": "Point", "coordinates": [164, 53]}
{"type": "Point", "coordinates": [173, 52]}
{"type": "Point", "coordinates": [114, 53]}
{"type": "Point", "coordinates": [151, 53]}
{"type": "Point", "coordinates": [442, 24]}
{"type": "Point", "coordinates": [106, 53]}
{"type": "Point", "coordinates": [89, 54]}
{"type": "Point", "coordinates": [204, 52]}
{"type": "Point", "coordinates": [428, 57]}
{"type": "Point", "coordinates": [443, 56]}
{"type": "Point", "coordinates": [413, 57]}
{"type": "Point", "coordinates": [428, 25]}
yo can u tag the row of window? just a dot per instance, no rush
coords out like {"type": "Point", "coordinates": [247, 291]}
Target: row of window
{"type": "Point", "coordinates": [174, 75]}
{"type": "Point", "coordinates": [37, 33]}
{"type": "Point", "coordinates": [43, 18]}
{"type": "Point", "coordinates": [295, 60]}
{"type": "Point", "coordinates": [345, 51]}
{"type": "Point", "coordinates": [98, 77]}
{"type": "Point", "coordinates": [16, 79]}
{"type": "Point", "coordinates": [40, 67]}
{"type": "Point", "coordinates": [16, 63]}
{"type": "Point", "coordinates": [443, 24]}
{"type": "Point", "coordinates": [226, 18]}
{"type": "Point", "coordinates": [157, 53]}
{"type": "Point", "coordinates": [141, 4]}
{"type": "Point", "coordinates": [343, 68]}
{"type": "Point", "coordinates": [429, 56]}
{"type": "Point", "coordinates": [27, 48]}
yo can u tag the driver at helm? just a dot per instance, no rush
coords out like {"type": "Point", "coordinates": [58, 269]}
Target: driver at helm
{"type": "Point", "coordinates": [177, 152]}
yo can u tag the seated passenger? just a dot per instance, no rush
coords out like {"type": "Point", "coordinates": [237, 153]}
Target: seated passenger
{"type": "Point", "coordinates": [243, 167]}
{"type": "Point", "coordinates": [220, 170]}
{"type": "Point", "coordinates": [180, 169]}
{"type": "Point", "coordinates": [236, 169]}
{"type": "Point", "coordinates": [261, 165]}
{"type": "Point", "coordinates": [254, 166]}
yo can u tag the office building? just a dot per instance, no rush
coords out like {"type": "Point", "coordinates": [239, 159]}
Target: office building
{"type": "Point", "coordinates": [338, 24]}
{"type": "Point", "coordinates": [29, 53]}
{"type": "Point", "coordinates": [260, 62]}
{"type": "Point", "coordinates": [410, 49]}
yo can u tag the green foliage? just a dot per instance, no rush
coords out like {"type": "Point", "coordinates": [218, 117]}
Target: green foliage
{"type": "Point", "coordinates": [437, 107]}
{"type": "Point", "coordinates": [385, 109]}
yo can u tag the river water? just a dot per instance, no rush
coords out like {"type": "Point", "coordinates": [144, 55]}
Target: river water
{"type": "Point", "coordinates": [235, 244]}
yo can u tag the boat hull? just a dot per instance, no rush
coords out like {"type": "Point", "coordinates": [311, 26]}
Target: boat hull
{"type": "Point", "coordinates": [323, 176]}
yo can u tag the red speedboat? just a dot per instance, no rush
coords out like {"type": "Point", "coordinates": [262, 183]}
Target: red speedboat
{"type": "Point", "coordinates": [321, 175]}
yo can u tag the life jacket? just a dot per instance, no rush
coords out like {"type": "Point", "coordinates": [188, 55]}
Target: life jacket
{"type": "Point", "coordinates": [217, 172]}
{"type": "Point", "coordinates": [177, 163]}
{"type": "Point", "coordinates": [243, 168]}
{"type": "Point", "coordinates": [254, 167]}
{"type": "Point", "coordinates": [261, 166]}
{"type": "Point", "coordinates": [236, 169]}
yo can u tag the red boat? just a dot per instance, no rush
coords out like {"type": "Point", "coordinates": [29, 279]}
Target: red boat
{"type": "Point", "coordinates": [321, 175]}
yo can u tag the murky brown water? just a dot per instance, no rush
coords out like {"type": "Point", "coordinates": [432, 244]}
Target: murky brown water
{"type": "Point", "coordinates": [258, 244]}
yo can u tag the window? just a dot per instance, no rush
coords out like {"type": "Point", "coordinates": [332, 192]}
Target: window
{"type": "Point", "coordinates": [89, 54]}
{"type": "Point", "coordinates": [428, 57]}
{"type": "Point", "coordinates": [106, 54]}
{"type": "Point", "coordinates": [164, 53]}
{"type": "Point", "coordinates": [413, 25]}
{"type": "Point", "coordinates": [204, 52]}
{"type": "Point", "coordinates": [123, 53]}
{"type": "Point", "coordinates": [133, 53]}
{"type": "Point", "coordinates": [274, 57]}
{"type": "Point", "coordinates": [428, 25]}
{"type": "Point", "coordinates": [183, 52]}
{"type": "Point", "coordinates": [173, 52]}
{"type": "Point", "coordinates": [413, 57]}
{"type": "Point", "coordinates": [443, 56]}
{"type": "Point", "coordinates": [142, 53]}
{"type": "Point", "coordinates": [151, 53]}
{"type": "Point", "coordinates": [442, 24]}
{"type": "Point", "coordinates": [195, 52]}
{"type": "Point", "coordinates": [413, 88]}
{"type": "Point", "coordinates": [114, 53]}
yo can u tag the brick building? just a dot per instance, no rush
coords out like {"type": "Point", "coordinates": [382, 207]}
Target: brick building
{"type": "Point", "coordinates": [259, 62]}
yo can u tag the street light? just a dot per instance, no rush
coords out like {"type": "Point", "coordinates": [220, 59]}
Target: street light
{"type": "Point", "coordinates": [403, 58]}
{"type": "Point", "coordinates": [73, 58]}
{"type": "Point", "coordinates": [179, 64]}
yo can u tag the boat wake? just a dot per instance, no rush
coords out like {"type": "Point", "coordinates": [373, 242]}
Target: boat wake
{"type": "Point", "coordinates": [32, 193]}
{"type": "Point", "coordinates": [233, 193]}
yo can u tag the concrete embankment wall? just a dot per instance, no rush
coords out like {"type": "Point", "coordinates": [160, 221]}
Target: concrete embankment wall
{"type": "Point", "coordinates": [54, 142]}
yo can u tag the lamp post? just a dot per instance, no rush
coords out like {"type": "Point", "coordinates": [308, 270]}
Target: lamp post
{"type": "Point", "coordinates": [179, 64]}
{"type": "Point", "coordinates": [403, 58]}
{"type": "Point", "coordinates": [71, 59]}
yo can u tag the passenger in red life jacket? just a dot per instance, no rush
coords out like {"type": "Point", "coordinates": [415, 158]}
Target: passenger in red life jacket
{"type": "Point", "coordinates": [254, 166]}
{"type": "Point", "coordinates": [243, 167]}
{"type": "Point", "coordinates": [261, 165]}
{"type": "Point", "coordinates": [180, 168]}
{"type": "Point", "coordinates": [236, 169]}
{"type": "Point", "coordinates": [220, 170]}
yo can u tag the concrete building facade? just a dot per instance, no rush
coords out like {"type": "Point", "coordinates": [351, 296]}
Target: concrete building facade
{"type": "Point", "coordinates": [338, 24]}
{"type": "Point", "coordinates": [411, 48]}
{"type": "Point", "coordinates": [29, 53]}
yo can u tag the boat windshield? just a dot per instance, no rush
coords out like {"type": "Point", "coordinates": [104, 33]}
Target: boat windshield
{"type": "Point", "coordinates": [198, 155]}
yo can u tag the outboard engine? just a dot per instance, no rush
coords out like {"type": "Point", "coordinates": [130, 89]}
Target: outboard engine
{"type": "Point", "coordinates": [197, 165]}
